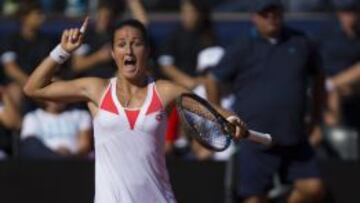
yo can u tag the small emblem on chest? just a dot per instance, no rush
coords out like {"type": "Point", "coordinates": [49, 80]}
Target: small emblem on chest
{"type": "Point", "coordinates": [160, 115]}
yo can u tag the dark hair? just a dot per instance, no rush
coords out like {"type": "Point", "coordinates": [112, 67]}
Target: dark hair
{"type": "Point", "coordinates": [132, 23]}
{"type": "Point", "coordinates": [28, 7]}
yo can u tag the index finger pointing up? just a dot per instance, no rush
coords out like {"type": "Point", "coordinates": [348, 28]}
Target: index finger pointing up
{"type": "Point", "coordinates": [84, 25]}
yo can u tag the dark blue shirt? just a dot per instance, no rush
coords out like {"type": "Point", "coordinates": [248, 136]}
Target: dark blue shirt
{"type": "Point", "coordinates": [270, 82]}
{"type": "Point", "coordinates": [184, 46]}
{"type": "Point", "coordinates": [29, 53]}
{"type": "Point", "coordinates": [339, 52]}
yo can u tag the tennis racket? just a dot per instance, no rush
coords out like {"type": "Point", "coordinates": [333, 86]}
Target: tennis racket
{"type": "Point", "coordinates": [208, 127]}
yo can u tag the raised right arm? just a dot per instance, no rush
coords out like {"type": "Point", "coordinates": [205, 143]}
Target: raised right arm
{"type": "Point", "coordinates": [40, 84]}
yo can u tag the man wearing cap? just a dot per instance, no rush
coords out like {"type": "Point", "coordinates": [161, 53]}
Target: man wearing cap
{"type": "Point", "coordinates": [270, 67]}
{"type": "Point", "coordinates": [341, 55]}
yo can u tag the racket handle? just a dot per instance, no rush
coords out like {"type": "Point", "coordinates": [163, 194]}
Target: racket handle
{"type": "Point", "coordinates": [258, 137]}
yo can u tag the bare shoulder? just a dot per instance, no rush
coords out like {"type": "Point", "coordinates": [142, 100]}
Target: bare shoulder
{"type": "Point", "coordinates": [94, 87]}
{"type": "Point", "coordinates": [95, 82]}
{"type": "Point", "coordinates": [169, 91]}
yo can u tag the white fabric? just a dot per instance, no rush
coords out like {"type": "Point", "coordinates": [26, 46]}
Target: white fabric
{"type": "Point", "coordinates": [166, 60]}
{"type": "Point", "coordinates": [273, 41]}
{"type": "Point", "coordinates": [329, 85]}
{"type": "Point", "coordinates": [209, 57]}
{"type": "Point", "coordinates": [59, 54]}
{"type": "Point", "coordinates": [8, 56]}
{"type": "Point", "coordinates": [3, 155]}
{"type": "Point", "coordinates": [82, 50]}
{"type": "Point", "coordinates": [200, 90]}
{"type": "Point", "coordinates": [56, 130]}
{"type": "Point", "coordinates": [226, 154]}
{"type": "Point", "coordinates": [130, 163]}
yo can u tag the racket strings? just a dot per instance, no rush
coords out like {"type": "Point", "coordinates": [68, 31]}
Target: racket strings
{"type": "Point", "coordinates": [208, 130]}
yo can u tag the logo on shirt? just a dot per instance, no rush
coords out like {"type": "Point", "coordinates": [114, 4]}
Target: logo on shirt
{"type": "Point", "coordinates": [292, 50]}
{"type": "Point", "coordinates": [160, 116]}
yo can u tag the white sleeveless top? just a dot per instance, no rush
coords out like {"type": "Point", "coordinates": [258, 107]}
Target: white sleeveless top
{"type": "Point", "coordinates": [129, 150]}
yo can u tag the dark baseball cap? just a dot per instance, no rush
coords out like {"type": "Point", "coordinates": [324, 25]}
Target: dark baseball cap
{"type": "Point", "coordinates": [261, 5]}
{"type": "Point", "coordinates": [346, 5]}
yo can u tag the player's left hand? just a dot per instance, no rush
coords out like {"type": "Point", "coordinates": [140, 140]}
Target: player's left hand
{"type": "Point", "coordinates": [241, 131]}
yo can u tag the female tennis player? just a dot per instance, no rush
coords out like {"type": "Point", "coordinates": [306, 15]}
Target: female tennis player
{"type": "Point", "coordinates": [128, 112]}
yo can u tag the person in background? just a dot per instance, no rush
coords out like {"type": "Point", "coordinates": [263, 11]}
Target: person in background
{"type": "Point", "coordinates": [270, 68]}
{"type": "Point", "coordinates": [23, 50]}
{"type": "Point", "coordinates": [10, 120]}
{"type": "Point", "coordinates": [341, 55]}
{"type": "Point", "coordinates": [178, 57]}
{"type": "Point", "coordinates": [93, 58]}
{"type": "Point", "coordinates": [55, 132]}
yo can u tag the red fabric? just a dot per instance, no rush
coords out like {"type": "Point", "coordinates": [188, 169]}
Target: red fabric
{"type": "Point", "coordinates": [108, 103]}
{"type": "Point", "coordinates": [172, 128]}
{"type": "Point", "coordinates": [155, 104]}
{"type": "Point", "coordinates": [132, 116]}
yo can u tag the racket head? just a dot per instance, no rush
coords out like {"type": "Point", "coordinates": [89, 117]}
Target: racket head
{"type": "Point", "coordinates": [204, 123]}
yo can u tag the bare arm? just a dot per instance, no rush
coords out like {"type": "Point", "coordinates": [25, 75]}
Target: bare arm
{"type": "Point", "coordinates": [212, 89]}
{"type": "Point", "coordinates": [84, 141]}
{"type": "Point", "coordinates": [179, 77]}
{"type": "Point", "coordinates": [138, 11]}
{"type": "Point", "coordinates": [10, 116]}
{"type": "Point", "coordinates": [40, 86]}
{"type": "Point", "coordinates": [347, 77]}
{"type": "Point", "coordinates": [13, 71]}
{"type": "Point", "coordinates": [82, 63]}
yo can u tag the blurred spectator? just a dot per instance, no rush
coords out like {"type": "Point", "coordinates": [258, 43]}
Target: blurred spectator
{"type": "Point", "coordinates": [93, 58]}
{"type": "Point", "coordinates": [137, 11]}
{"type": "Point", "coordinates": [269, 68]}
{"type": "Point", "coordinates": [341, 55]}
{"type": "Point", "coordinates": [179, 54]}
{"type": "Point", "coordinates": [178, 60]}
{"type": "Point", "coordinates": [9, 120]}
{"type": "Point", "coordinates": [24, 50]}
{"type": "Point", "coordinates": [55, 132]}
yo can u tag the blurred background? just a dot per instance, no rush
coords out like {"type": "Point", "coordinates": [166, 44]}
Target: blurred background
{"type": "Point", "coordinates": [46, 149]}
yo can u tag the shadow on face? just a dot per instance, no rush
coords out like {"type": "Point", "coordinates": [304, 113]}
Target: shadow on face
{"type": "Point", "coordinates": [268, 21]}
{"type": "Point", "coordinates": [348, 18]}
{"type": "Point", "coordinates": [35, 18]}
{"type": "Point", "coordinates": [189, 15]}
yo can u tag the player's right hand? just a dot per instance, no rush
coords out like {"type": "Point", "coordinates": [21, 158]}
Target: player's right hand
{"type": "Point", "coordinates": [72, 38]}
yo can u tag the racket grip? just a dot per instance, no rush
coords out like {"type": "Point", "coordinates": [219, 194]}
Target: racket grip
{"type": "Point", "coordinates": [258, 137]}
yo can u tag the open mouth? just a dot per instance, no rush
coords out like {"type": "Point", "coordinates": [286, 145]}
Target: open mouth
{"type": "Point", "coordinates": [129, 61]}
